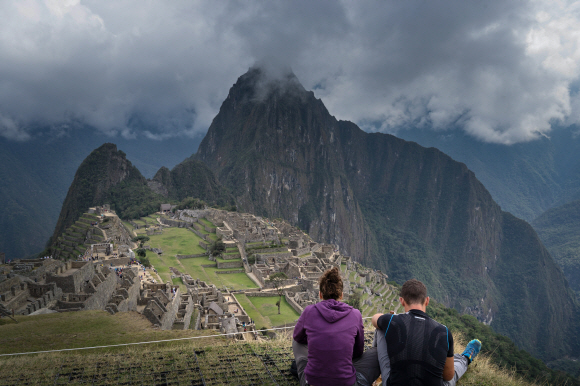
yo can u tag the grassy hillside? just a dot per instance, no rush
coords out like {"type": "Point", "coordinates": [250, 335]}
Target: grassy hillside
{"type": "Point", "coordinates": [209, 361]}
{"type": "Point", "coordinates": [80, 329]}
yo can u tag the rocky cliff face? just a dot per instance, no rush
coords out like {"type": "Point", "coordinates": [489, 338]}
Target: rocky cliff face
{"type": "Point", "coordinates": [392, 204]}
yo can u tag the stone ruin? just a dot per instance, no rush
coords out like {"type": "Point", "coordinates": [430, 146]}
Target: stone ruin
{"type": "Point", "coordinates": [218, 310]}
{"type": "Point", "coordinates": [63, 287]}
{"type": "Point", "coordinates": [166, 307]}
{"type": "Point", "coordinates": [126, 294]}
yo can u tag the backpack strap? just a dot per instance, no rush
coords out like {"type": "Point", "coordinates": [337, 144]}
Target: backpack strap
{"type": "Point", "coordinates": [389, 325]}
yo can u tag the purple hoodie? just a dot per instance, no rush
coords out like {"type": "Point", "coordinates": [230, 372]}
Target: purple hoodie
{"type": "Point", "coordinates": [334, 334]}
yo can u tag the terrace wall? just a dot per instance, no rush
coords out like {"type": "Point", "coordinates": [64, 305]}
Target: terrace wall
{"type": "Point", "coordinates": [173, 223]}
{"type": "Point", "coordinates": [190, 256]}
{"type": "Point", "coordinates": [293, 303]}
{"type": "Point", "coordinates": [230, 264]}
{"type": "Point", "coordinates": [232, 271]}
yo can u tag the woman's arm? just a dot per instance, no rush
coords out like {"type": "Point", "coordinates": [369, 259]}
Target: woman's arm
{"type": "Point", "coordinates": [299, 330]}
{"type": "Point", "coordinates": [359, 339]}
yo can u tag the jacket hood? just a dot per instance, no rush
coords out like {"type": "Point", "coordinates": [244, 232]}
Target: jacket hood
{"type": "Point", "coordinates": [333, 310]}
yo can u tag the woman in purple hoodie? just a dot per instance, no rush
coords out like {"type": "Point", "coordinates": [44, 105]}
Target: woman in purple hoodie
{"type": "Point", "coordinates": [328, 341]}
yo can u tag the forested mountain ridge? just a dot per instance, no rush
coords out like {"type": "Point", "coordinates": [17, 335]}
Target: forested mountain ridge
{"type": "Point", "coordinates": [191, 178]}
{"type": "Point", "coordinates": [559, 230]}
{"type": "Point", "coordinates": [392, 204]}
{"type": "Point", "coordinates": [106, 177]}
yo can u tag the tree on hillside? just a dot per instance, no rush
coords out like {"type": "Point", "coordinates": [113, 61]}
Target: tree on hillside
{"type": "Point", "coordinates": [141, 239]}
{"type": "Point", "coordinates": [145, 261]}
{"type": "Point", "coordinates": [191, 203]}
{"type": "Point", "coordinates": [354, 301]}
{"type": "Point", "coordinates": [277, 281]}
{"type": "Point", "coordinates": [217, 248]}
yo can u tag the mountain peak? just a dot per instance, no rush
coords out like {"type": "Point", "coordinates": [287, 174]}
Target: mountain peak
{"type": "Point", "coordinates": [266, 79]}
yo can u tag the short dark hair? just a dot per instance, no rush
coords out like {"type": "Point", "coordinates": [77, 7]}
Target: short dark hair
{"type": "Point", "coordinates": [331, 284]}
{"type": "Point", "coordinates": [414, 292]}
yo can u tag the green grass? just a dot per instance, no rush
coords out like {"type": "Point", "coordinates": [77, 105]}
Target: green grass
{"type": "Point", "coordinates": [220, 260]}
{"type": "Point", "coordinates": [129, 226]}
{"type": "Point", "coordinates": [259, 320]}
{"type": "Point", "coordinates": [161, 264]}
{"type": "Point", "coordinates": [79, 329]}
{"type": "Point", "coordinates": [177, 241]}
{"type": "Point", "coordinates": [176, 363]}
{"type": "Point", "coordinates": [193, 266]}
{"type": "Point", "coordinates": [179, 282]}
{"type": "Point", "coordinates": [205, 221]}
{"type": "Point", "coordinates": [231, 280]}
{"type": "Point", "coordinates": [194, 269]}
{"type": "Point", "coordinates": [266, 307]}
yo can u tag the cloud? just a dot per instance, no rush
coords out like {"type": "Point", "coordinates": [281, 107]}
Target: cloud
{"type": "Point", "coordinates": [504, 72]}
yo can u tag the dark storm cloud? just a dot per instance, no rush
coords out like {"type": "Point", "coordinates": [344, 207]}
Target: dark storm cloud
{"type": "Point", "coordinates": [499, 70]}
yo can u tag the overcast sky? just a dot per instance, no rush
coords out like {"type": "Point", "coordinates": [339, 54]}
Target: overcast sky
{"type": "Point", "coordinates": [503, 71]}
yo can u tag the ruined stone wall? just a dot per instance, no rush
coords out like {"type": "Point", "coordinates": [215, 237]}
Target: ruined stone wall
{"type": "Point", "coordinates": [284, 283]}
{"type": "Point", "coordinates": [169, 317]}
{"type": "Point", "coordinates": [230, 264]}
{"type": "Point", "coordinates": [129, 292]}
{"type": "Point", "coordinates": [224, 232]}
{"type": "Point", "coordinates": [14, 302]}
{"type": "Point", "coordinates": [264, 256]}
{"type": "Point", "coordinates": [232, 271]}
{"type": "Point", "coordinates": [301, 251]}
{"type": "Point", "coordinates": [172, 223]}
{"type": "Point", "coordinates": [198, 233]}
{"type": "Point", "coordinates": [267, 250]}
{"type": "Point", "coordinates": [293, 303]}
{"type": "Point", "coordinates": [262, 294]}
{"type": "Point", "coordinates": [258, 274]}
{"type": "Point", "coordinates": [7, 284]}
{"type": "Point", "coordinates": [103, 293]}
{"type": "Point", "coordinates": [185, 311]}
{"type": "Point", "coordinates": [73, 283]}
{"type": "Point", "coordinates": [291, 270]}
{"type": "Point", "coordinates": [118, 261]}
{"type": "Point", "coordinates": [190, 256]}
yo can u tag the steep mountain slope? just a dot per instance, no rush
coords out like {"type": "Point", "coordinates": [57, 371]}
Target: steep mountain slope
{"type": "Point", "coordinates": [526, 178]}
{"type": "Point", "coordinates": [106, 176]}
{"type": "Point", "coordinates": [191, 178]}
{"type": "Point", "coordinates": [559, 230]}
{"type": "Point", "coordinates": [393, 205]}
